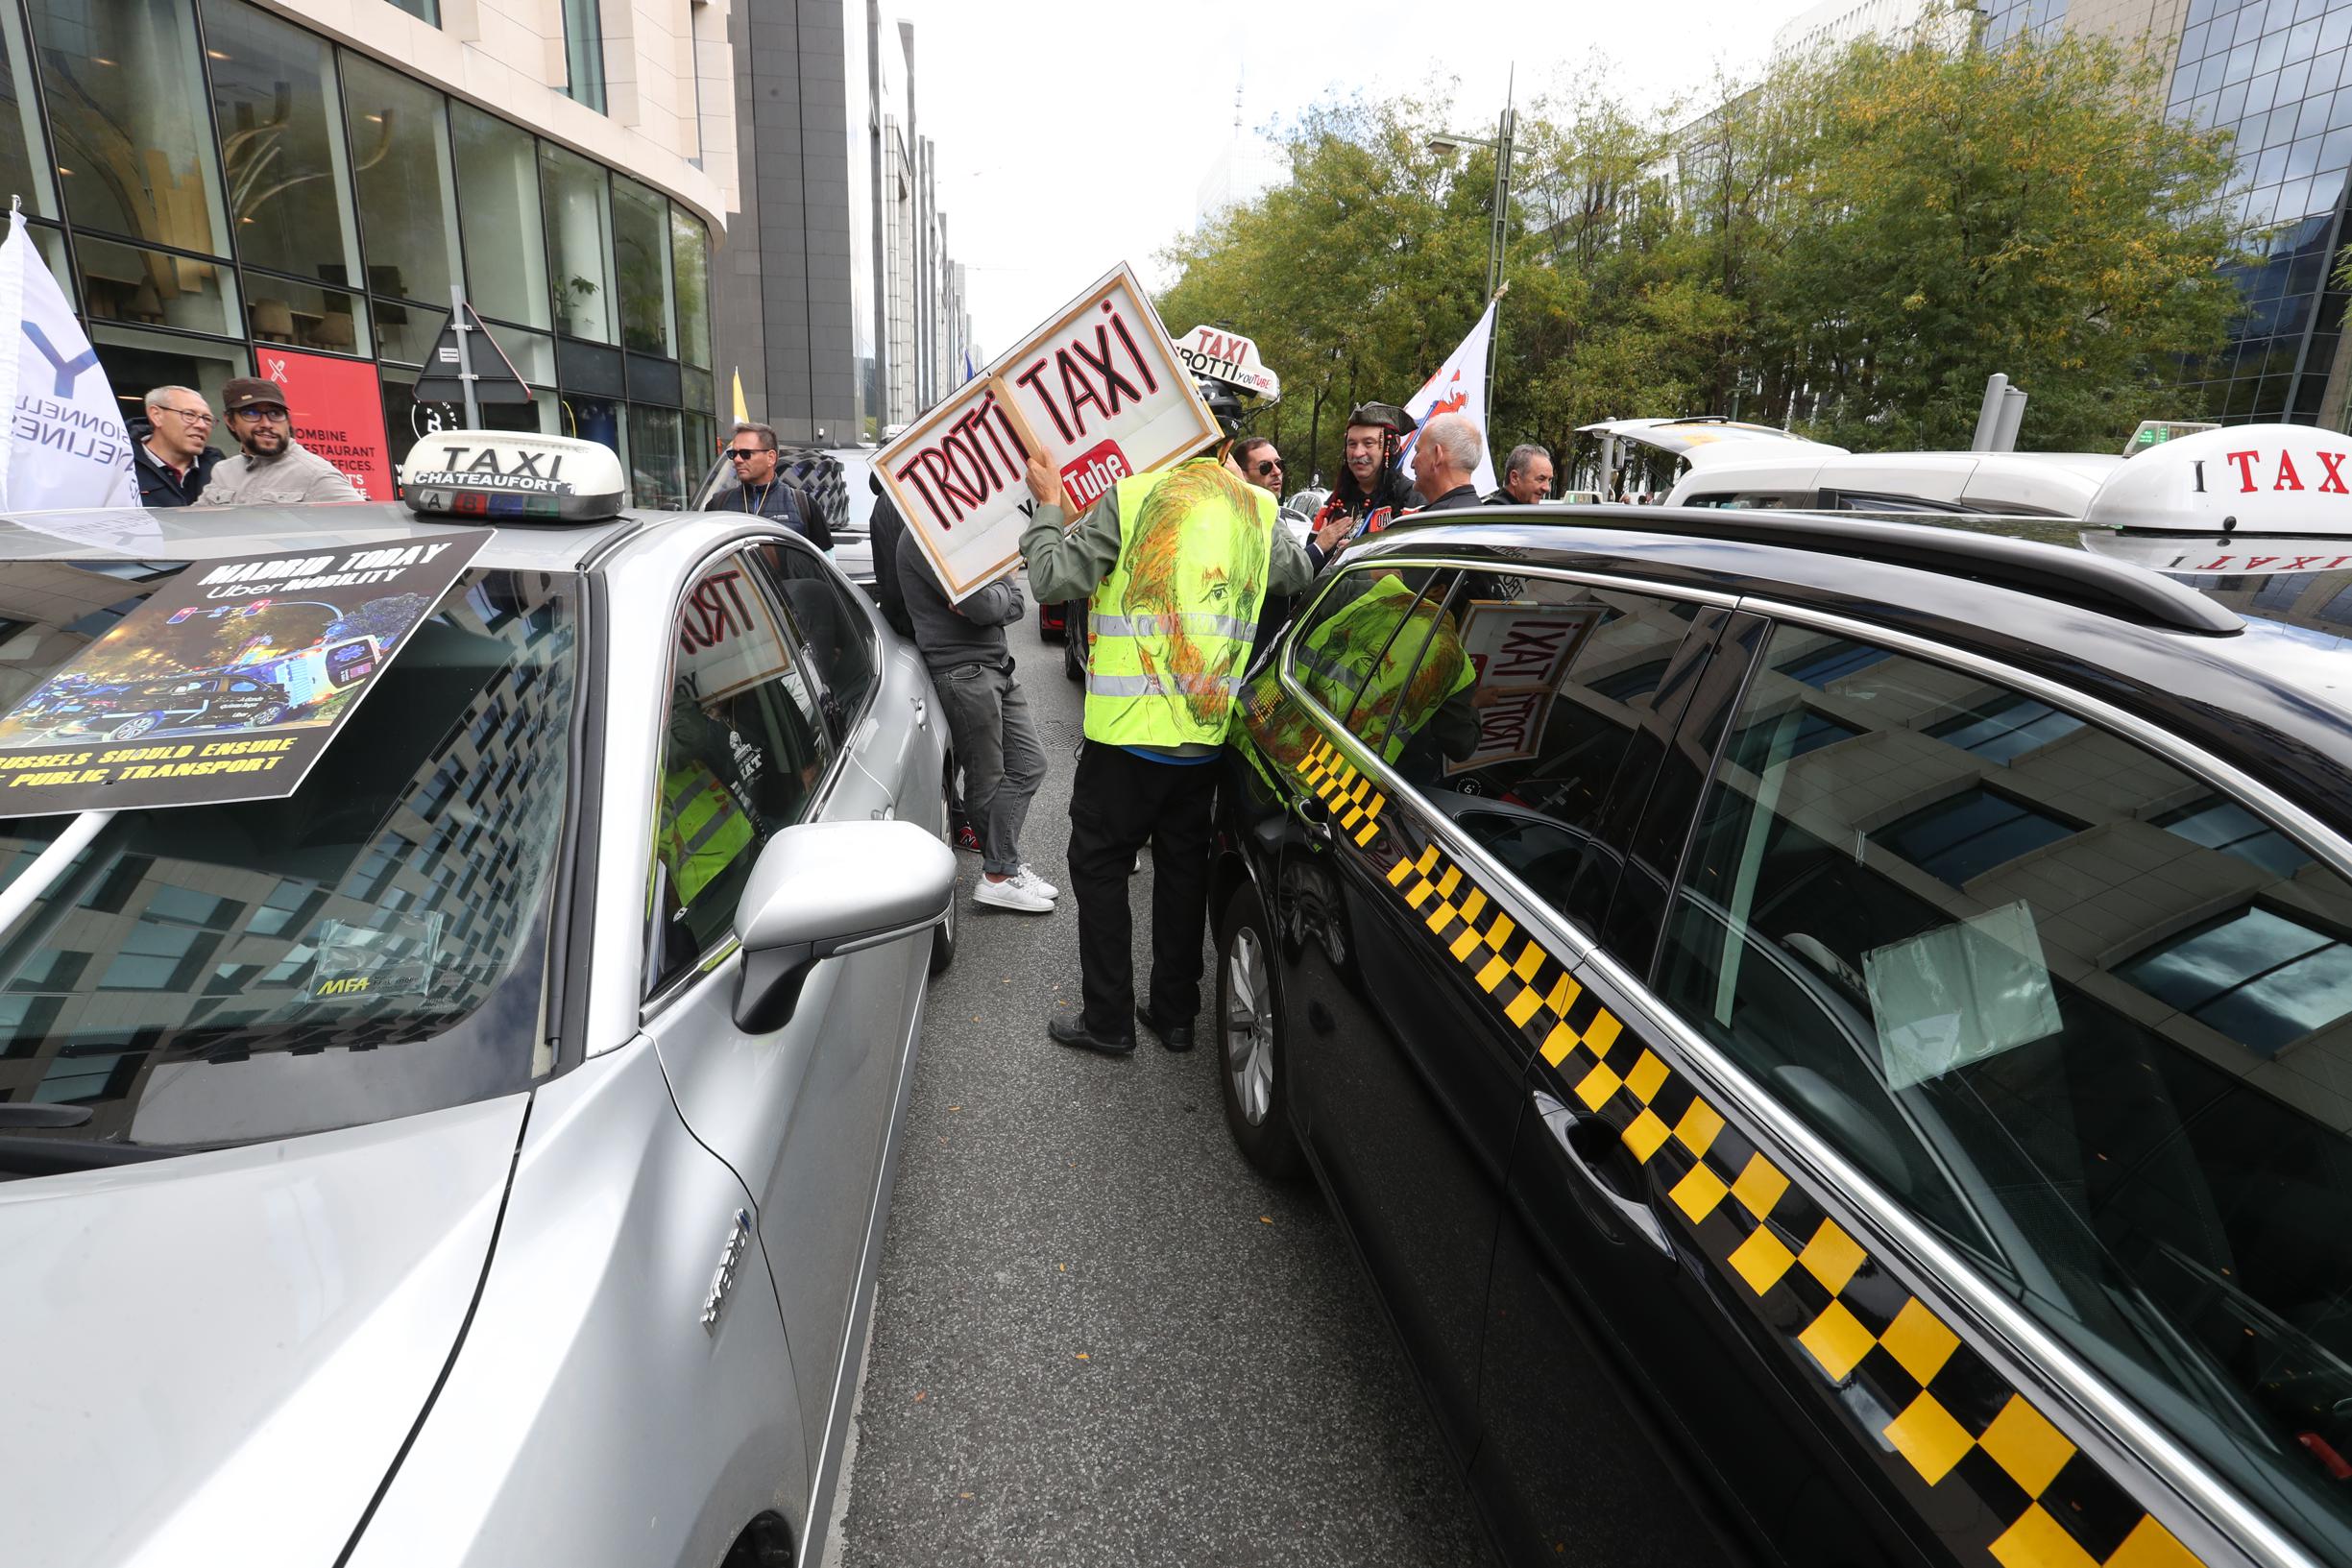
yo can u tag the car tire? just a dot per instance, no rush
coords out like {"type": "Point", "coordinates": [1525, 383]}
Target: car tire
{"type": "Point", "coordinates": [131, 729]}
{"type": "Point", "coordinates": [1250, 1070]}
{"type": "Point", "coordinates": [275, 713]}
{"type": "Point", "coordinates": [943, 934]}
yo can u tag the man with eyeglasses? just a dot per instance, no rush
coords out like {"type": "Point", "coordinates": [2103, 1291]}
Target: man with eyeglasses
{"type": "Point", "coordinates": [175, 460]}
{"type": "Point", "coordinates": [764, 491]}
{"type": "Point", "coordinates": [272, 469]}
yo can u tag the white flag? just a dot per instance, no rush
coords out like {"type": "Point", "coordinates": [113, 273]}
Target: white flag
{"type": "Point", "coordinates": [66, 445]}
{"type": "Point", "coordinates": [1460, 387]}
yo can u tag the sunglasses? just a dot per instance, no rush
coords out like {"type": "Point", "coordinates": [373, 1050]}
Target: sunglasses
{"type": "Point", "coordinates": [1270, 466]}
{"type": "Point", "coordinates": [744, 454]}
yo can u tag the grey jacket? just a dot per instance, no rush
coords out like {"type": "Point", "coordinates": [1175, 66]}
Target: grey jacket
{"type": "Point", "coordinates": [951, 634]}
{"type": "Point", "coordinates": [299, 475]}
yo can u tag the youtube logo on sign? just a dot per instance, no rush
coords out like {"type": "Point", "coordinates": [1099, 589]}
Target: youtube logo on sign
{"type": "Point", "coordinates": [1089, 476]}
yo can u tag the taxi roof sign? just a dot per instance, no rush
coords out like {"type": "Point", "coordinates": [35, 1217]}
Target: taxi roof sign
{"type": "Point", "coordinates": [1228, 357]}
{"type": "Point", "coordinates": [2239, 479]}
{"type": "Point", "coordinates": [512, 476]}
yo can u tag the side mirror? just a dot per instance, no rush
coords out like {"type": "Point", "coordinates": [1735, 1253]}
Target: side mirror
{"type": "Point", "coordinates": [832, 887]}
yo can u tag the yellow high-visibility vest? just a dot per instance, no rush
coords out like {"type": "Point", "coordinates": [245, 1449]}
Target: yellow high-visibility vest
{"type": "Point", "coordinates": [702, 829]}
{"type": "Point", "coordinates": [1169, 630]}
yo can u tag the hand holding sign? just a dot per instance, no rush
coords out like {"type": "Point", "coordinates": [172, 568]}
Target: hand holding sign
{"type": "Point", "coordinates": [1094, 395]}
{"type": "Point", "coordinates": [1043, 484]}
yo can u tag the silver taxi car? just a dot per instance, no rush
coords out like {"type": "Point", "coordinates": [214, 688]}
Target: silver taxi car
{"type": "Point", "coordinates": [562, 1252]}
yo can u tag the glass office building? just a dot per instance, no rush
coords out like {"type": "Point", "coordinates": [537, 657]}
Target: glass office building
{"type": "Point", "coordinates": [208, 180]}
{"type": "Point", "coordinates": [2277, 73]}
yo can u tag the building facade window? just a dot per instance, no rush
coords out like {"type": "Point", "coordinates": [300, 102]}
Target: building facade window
{"type": "Point", "coordinates": [584, 52]}
{"type": "Point", "coordinates": [424, 10]}
{"type": "Point", "coordinates": [125, 88]}
{"type": "Point", "coordinates": [497, 200]}
{"type": "Point", "coordinates": [226, 181]}
{"type": "Point", "coordinates": [579, 209]}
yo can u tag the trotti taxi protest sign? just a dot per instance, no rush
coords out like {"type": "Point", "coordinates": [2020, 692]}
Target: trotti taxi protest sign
{"type": "Point", "coordinates": [1098, 391]}
{"type": "Point", "coordinates": [228, 683]}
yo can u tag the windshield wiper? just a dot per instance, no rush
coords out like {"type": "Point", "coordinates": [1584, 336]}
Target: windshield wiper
{"type": "Point", "coordinates": [27, 1113]}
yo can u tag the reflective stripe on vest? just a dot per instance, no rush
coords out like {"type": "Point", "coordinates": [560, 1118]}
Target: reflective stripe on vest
{"type": "Point", "coordinates": [702, 829]}
{"type": "Point", "coordinates": [1170, 626]}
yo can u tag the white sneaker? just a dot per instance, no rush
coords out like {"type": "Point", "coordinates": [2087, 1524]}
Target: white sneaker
{"type": "Point", "coordinates": [1010, 894]}
{"type": "Point", "coordinates": [1035, 884]}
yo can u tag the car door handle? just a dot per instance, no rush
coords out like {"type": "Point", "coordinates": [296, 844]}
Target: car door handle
{"type": "Point", "coordinates": [1590, 1143]}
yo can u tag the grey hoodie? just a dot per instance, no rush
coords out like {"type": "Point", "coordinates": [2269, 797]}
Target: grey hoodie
{"type": "Point", "coordinates": [951, 634]}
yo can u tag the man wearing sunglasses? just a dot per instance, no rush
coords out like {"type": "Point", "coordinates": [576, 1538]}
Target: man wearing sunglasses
{"type": "Point", "coordinates": [175, 460]}
{"type": "Point", "coordinates": [762, 489]}
{"type": "Point", "coordinates": [272, 469]}
{"type": "Point", "coordinates": [1260, 464]}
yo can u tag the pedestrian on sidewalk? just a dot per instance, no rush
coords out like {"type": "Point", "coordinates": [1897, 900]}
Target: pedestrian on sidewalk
{"type": "Point", "coordinates": [1175, 565]}
{"type": "Point", "coordinates": [175, 456]}
{"type": "Point", "coordinates": [272, 468]}
{"type": "Point", "coordinates": [987, 715]}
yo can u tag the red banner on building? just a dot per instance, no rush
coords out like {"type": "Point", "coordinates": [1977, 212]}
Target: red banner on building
{"type": "Point", "coordinates": [338, 409]}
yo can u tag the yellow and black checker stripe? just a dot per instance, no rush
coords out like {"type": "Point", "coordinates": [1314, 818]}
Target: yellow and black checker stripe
{"type": "Point", "coordinates": [1353, 803]}
{"type": "Point", "coordinates": [1991, 1475]}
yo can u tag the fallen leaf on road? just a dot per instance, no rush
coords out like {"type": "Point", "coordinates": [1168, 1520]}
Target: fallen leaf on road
{"type": "Point", "coordinates": [918, 1397]}
{"type": "Point", "coordinates": [966, 1496]}
{"type": "Point", "coordinates": [1083, 1355]}
{"type": "Point", "coordinates": [1063, 1266]}
{"type": "Point", "coordinates": [954, 1107]}
{"type": "Point", "coordinates": [1263, 1220]}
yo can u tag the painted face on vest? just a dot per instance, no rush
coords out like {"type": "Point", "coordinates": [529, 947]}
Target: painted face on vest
{"type": "Point", "coordinates": [1196, 549]}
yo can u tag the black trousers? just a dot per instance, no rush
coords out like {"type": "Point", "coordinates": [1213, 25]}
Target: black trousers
{"type": "Point", "coordinates": [1119, 803]}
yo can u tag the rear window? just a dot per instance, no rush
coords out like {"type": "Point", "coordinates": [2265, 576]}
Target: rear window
{"type": "Point", "coordinates": [369, 948]}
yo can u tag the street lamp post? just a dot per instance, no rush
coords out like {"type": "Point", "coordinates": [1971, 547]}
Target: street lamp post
{"type": "Point", "coordinates": [1499, 233]}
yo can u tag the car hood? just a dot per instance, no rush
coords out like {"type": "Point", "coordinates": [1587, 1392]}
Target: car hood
{"type": "Point", "coordinates": [216, 1358]}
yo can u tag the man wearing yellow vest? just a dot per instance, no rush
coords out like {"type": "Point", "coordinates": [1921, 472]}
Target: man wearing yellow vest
{"type": "Point", "coordinates": [1175, 565]}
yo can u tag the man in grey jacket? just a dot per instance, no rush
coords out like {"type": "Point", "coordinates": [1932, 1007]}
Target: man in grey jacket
{"type": "Point", "coordinates": [987, 715]}
{"type": "Point", "coordinates": [274, 468]}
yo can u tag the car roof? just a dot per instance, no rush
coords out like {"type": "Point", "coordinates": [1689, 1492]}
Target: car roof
{"type": "Point", "coordinates": [2255, 665]}
{"type": "Point", "coordinates": [2057, 483]}
{"type": "Point", "coordinates": [217, 533]}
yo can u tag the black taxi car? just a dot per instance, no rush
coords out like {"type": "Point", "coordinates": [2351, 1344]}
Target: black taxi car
{"type": "Point", "coordinates": [1832, 1039]}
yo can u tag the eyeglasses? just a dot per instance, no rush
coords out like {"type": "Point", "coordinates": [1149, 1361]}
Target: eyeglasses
{"type": "Point", "coordinates": [744, 454]}
{"type": "Point", "coordinates": [1266, 467]}
{"type": "Point", "coordinates": [194, 416]}
{"type": "Point", "coordinates": [259, 414]}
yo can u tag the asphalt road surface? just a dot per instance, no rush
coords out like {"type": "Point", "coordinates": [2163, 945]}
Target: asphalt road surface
{"type": "Point", "coordinates": [1100, 1337]}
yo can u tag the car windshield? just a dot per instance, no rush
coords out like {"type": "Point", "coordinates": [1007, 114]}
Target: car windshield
{"type": "Point", "coordinates": [368, 947]}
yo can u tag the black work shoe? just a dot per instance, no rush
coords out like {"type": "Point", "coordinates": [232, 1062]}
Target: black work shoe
{"type": "Point", "coordinates": [1174, 1036]}
{"type": "Point", "coordinates": [1074, 1033]}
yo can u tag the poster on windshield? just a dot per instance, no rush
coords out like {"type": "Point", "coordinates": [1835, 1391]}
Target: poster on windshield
{"type": "Point", "coordinates": [1097, 391]}
{"type": "Point", "coordinates": [228, 683]}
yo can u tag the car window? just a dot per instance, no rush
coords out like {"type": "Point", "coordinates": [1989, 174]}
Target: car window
{"type": "Point", "coordinates": [2068, 1003]}
{"type": "Point", "coordinates": [743, 752]}
{"type": "Point", "coordinates": [1341, 645]}
{"type": "Point", "coordinates": [1526, 749]}
{"type": "Point", "coordinates": [835, 633]}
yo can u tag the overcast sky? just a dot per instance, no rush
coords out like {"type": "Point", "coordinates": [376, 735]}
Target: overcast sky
{"type": "Point", "coordinates": [1073, 133]}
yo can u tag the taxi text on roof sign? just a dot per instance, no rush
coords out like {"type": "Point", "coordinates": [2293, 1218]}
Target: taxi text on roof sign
{"type": "Point", "coordinates": [2246, 478]}
{"type": "Point", "coordinates": [506, 475]}
{"type": "Point", "coordinates": [1228, 357]}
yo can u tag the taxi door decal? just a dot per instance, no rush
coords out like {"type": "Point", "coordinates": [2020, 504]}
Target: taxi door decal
{"type": "Point", "coordinates": [1994, 1478]}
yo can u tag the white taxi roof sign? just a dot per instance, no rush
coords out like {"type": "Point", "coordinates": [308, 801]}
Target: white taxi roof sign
{"type": "Point", "coordinates": [2239, 480]}
{"type": "Point", "coordinates": [512, 476]}
{"type": "Point", "coordinates": [1229, 357]}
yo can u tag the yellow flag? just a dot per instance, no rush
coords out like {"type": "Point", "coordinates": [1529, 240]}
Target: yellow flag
{"type": "Point", "coordinates": [743, 411]}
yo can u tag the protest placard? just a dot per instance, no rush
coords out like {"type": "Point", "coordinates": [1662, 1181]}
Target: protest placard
{"type": "Point", "coordinates": [228, 683]}
{"type": "Point", "coordinates": [1098, 391]}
